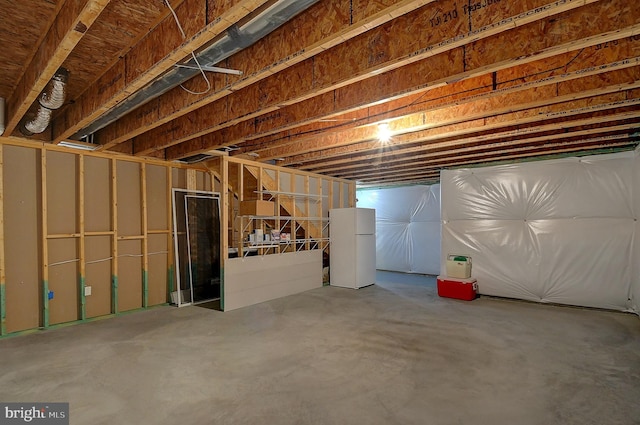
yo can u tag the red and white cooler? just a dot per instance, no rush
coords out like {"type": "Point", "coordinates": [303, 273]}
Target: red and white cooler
{"type": "Point", "coordinates": [458, 288]}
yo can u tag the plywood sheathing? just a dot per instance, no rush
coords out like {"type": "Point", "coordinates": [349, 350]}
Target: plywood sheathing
{"type": "Point", "coordinates": [158, 270]}
{"type": "Point", "coordinates": [455, 157]}
{"type": "Point", "coordinates": [322, 26]}
{"type": "Point", "coordinates": [31, 20]}
{"type": "Point", "coordinates": [437, 154]}
{"type": "Point", "coordinates": [350, 78]}
{"type": "Point", "coordinates": [98, 275]}
{"type": "Point", "coordinates": [121, 25]}
{"type": "Point", "coordinates": [63, 280]}
{"type": "Point", "coordinates": [130, 295]}
{"type": "Point", "coordinates": [522, 108]}
{"type": "Point", "coordinates": [511, 135]}
{"type": "Point", "coordinates": [557, 71]}
{"type": "Point", "coordinates": [23, 262]}
{"type": "Point", "coordinates": [155, 54]}
{"type": "Point", "coordinates": [71, 23]}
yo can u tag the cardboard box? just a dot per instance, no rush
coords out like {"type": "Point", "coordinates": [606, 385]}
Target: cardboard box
{"type": "Point", "coordinates": [460, 289]}
{"type": "Point", "coordinates": [257, 207]}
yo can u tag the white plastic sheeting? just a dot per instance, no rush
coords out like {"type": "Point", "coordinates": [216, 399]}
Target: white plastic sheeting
{"type": "Point", "coordinates": [635, 293]}
{"type": "Point", "coordinates": [407, 227]}
{"type": "Point", "coordinates": [560, 231]}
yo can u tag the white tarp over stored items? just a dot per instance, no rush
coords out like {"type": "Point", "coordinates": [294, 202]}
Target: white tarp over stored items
{"type": "Point", "coordinates": [407, 227]}
{"type": "Point", "coordinates": [560, 231]}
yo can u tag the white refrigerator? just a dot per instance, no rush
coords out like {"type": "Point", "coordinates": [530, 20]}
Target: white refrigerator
{"type": "Point", "coordinates": [352, 262]}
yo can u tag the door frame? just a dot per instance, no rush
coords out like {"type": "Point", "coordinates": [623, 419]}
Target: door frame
{"type": "Point", "coordinates": [203, 194]}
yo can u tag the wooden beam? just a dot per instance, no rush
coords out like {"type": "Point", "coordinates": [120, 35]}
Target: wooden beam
{"type": "Point", "coordinates": [170, 266]}
{"type": "Point", "coordinates": [44, 244]}
{"type": "Point", "coordinates": [224, 217]}
{"type": "Point", "coordinates": [175, 152]}
{"type": "Point", "coordinates": [72, 22]}
{"type": "Point", "coordinates": [513, 97]}
{"type": "Point", "coordinates": [492, 158]}
{"type": "Point", "coordinates": [424, 150]}
{"type": "Point", "coordinates": [327, 24]}
{"type": "Point", "coordinates": [320, 74]}
{"type": "Point", "coordinates": [145, 236]}
{"type": "Point", "coordinates": [156, 54]}
{"type": "Point", "coordinates": [434, 159]}
{"type": "Point", "coordinates": [114, 238]}
{"type": "Point", "coordinates": [81, 239]}
{"type": "Point", "coordinates": [412, 112]}
{"type": "Point", "coordinates": [505, 125]}
{"type": "Point", "coordinates": [354, 87]}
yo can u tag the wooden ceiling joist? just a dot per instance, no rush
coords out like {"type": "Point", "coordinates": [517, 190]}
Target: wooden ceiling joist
{"type": "Point", "coordinates": [72, 22]}
{"type": "Point", "coordinates": [305, 37]}
{"type": "Point", "coordinates": [156, 54]}
{"type": "Point", "coordinates": [401, 153]}
{"type": "Point", "coordinates": [459, 150]}
{"type": "Point", "coordinates": [449, 66]}
{"type": "Point", "coordinates": [456, 85]}
{"type": "Point", "coordinates": [492, 158]}
{"type": "Point", "coordinates": [299, 150]}
{"type": "Point", "coordinates": [327, 76]}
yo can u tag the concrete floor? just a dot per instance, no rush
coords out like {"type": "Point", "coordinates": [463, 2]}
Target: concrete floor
{"type": "Point", "coordinates": [393, 353]}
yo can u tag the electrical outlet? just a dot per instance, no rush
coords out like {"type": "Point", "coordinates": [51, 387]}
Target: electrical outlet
{"type": "Point", "coordinates": [87, 291]}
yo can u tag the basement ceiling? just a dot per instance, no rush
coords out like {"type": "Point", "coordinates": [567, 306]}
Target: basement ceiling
{"type": "Point", "coordinates": [457, 83]}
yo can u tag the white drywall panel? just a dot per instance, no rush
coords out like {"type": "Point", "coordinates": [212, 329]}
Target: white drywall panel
{"type": "Point", "coordinates": [256, 279]}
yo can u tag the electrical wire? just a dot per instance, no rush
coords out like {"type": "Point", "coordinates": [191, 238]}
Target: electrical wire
{"type": "Point", "coordinates": [184, 36]}
{"type": "Point", "coordinates": [107, 259]}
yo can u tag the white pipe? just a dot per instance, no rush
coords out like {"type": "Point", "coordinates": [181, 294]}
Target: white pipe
{"type": "Point", "coordinates": [1, 115]}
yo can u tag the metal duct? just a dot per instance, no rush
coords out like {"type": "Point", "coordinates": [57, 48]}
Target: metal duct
{"type": "Point", "coordinates": [37, 121]}
{"type": "Point", "coordinates": [52, 97]}
{"type": "Point", "coordinates": [56, 90]}
{"type": "Point", "coordinates": [235, 39]}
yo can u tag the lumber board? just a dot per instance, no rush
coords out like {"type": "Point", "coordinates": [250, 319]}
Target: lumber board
{"type": "Point", "coordinates": [455, 151]}
{"type": "Point", "coordinates": [418, 147]}
{"type": "Point", "coordinates": [324, 25]}
{"type": "Point", "coordinates": [347, 83]}
{"type": "Point", "coordinates": [443, 120]}
{"type": "Point", "coordinates": [563, 67]}
{"type": "Point", "coordinates": [71, 23]}
{"type": "Point", "coordinates": [154, 55]}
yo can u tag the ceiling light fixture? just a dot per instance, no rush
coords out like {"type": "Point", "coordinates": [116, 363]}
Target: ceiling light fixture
{"type": "Point", "coordinates": [79, 145]}
{"type": "Point", "coordinates": [384, 134]}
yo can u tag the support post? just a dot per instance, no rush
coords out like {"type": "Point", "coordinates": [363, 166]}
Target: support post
{"type": "Point", "coordinates": [81, 239]}
{"type": "Point", "coordinates": [43, 241]}
{"type": "Point", "coordinates": [145, 239]}
{"type": "Point", "coordinates": [225, 193]}
{"type": "Point", "coordinates": [114, 240]}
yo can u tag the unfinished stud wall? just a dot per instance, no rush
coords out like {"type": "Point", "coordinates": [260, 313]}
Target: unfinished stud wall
{"type": "Point", "coordinates": [83, 235]}
{"type": "Point", "coordinates": [269, 270]}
